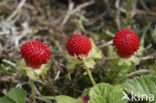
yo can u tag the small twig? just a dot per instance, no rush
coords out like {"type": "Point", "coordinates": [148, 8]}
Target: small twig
{"type": "Point", "coordinates": [72, 11]}
{"type": "Point", "coordinates": [9, 62]}
{"type": "Point", "coordinates": [83, 5]}
{"type": "Point", "coordinates": [133, 11]}
{"type": "Point", "coordinates": [23, 34]}
{"type": "Point", "coordinates": [57, 75]}
{"type": "Point", "coordinates": [151, 56]}
{"type": "Point", "coordinates": [109, 33]}
{"type": "Point", "coordinates": [118, 13]}
{"type": "Point", "coordinates": [8, 77]}
{"type": "Point", "coordinates": [51, 85]}
{"type": "Point", "coordinates": [144, 6]}
{"type": "Point", "coordinates": [4, 32]}
{"type": "Point", "coordinates": [133, 73]}
{"type": "Point", "coordinates": [1, 48]}
{"type": "Point", "coordinates": [138, 11]}
{"type": "Point", "coordinates": [58, 45]}
{"type": "Point", "coordinates": [21, 4]}
{"type": "Point", "coordinates": [106, 44]}
{"type": "Point", "coordinates": [117, 5]}
{"type": "Point", "coordinates": [53, 26]}
{"type": "Point", "coordinates": [70, 8]}
{"type": "Point", "coordinates": [39, 81]}
{"type": "Point", "coordinates": [41, 98]}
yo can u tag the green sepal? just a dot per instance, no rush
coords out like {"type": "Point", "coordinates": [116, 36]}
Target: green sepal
{"type": "Point", "coordinates": [88, 61]}
{"type": "Point", "coordinates": [34, 73]}
{"type": "Point", "coordinates": [95, 52]}
{"type": "Point", "coordinates": [73, 61]}
{"type": "Point", "coordinates": [136, 58]}
{"type": "Point", "coordinates": [97, 99]}
{"type": "Point", "coordinates": [66, 99]}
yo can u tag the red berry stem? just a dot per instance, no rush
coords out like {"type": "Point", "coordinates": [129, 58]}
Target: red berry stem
{"type": "Point", "coordinates": [79, 45]}
{"type": "Point", "coordinates": [90, 76]}
{"type": "Point", "coordinates": [33, 91]}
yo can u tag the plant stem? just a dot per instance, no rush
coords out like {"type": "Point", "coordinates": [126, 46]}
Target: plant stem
{"type": "Point", "coordinates": [133, 73]}
{"type": "Point", "coordinates": [33, 91]}
{"type": "Point", "coordinates": [90, 76]}
{"type": "Point", "coordinates": [51, 86]}
{"type": "Point", "coordinates": [138, 72]}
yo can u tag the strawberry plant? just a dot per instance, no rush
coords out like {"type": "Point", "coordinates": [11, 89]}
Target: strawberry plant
{"type": "Point", "coordinates": [83, 52]}
{"type": "Point", "coordinates": [77, 51]}
{"type": "Point", "coordinates": [36, 59]}
{"type": "Point", "coordinates": [36, 55]}
{"type": "Point", "coordinates": [124, 55]}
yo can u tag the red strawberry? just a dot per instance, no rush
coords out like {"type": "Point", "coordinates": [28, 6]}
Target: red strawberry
{"type": "Point", "coordinates": [78, 45]}
{"type": "Point", "coordinates": [35, 53]}
{"type": "Point", "coordinates": [126, 43]}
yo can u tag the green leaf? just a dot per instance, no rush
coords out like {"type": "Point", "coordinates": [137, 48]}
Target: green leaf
{"type": "Point", "coordinates": [17, 94]}
{"type": "Point", "coordinates": [34, 73]}
{"type": "Point", "coordinates": [95, 52]}
{"type": "Point", "coordinates": [142, 85]}
{"type": "Point", "coordinates": [117, 72]}
{"type": "Point", "coordinates": [111, 53]}
{"type": "Point", "coordinates": [73, 61]}
{"type": "Point", "coordinates": [110, 93]}
{"type": "Point", "coordinates": [6, 99]}
{"type": "Point", "coordinates": [85, 92]}
{"type": "Point", "coordinates": [71, 65]}
{"type": "Point", "coordinates": [66, 99]}
{"type": "Point", "coordinates": [135, 59]}
{"type": "Point", "coordinates": [89, 63]}
{"type": "Point", "coordinates": [97, 99]}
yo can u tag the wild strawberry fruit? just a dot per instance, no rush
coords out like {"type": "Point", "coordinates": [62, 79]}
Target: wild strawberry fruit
{"type": "Point", "coordinates": [35, 53]}
{"type": "Point", "coordinates": [78, 45]}
{"type": "Point", "coordinates": [126, 42]}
